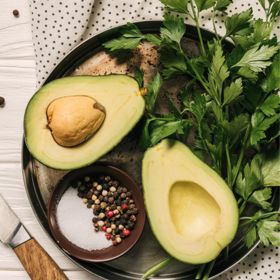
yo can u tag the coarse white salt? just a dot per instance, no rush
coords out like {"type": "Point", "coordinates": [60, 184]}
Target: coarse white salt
{"type": "Point", "coordinates": [75, 222]}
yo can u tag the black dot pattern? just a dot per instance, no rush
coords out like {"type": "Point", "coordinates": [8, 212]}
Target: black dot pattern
{"type": "Point", "coordinates": [58, 26]}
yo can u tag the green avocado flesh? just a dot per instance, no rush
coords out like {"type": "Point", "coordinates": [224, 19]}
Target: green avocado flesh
{"type": "Point", "coordinates": [192, 211]}
{"type": "Point", "coordinates": [117, 93]}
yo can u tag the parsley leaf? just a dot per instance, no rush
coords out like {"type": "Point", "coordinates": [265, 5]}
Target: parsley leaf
{"type": "Point", "coordinates": [122, 43]}
{"type": "Point", "coordinates": [221, 5]}
{"type": "Point", "coordinates": [139, 76]}
{"type": "Point", "coordinates": [130, 39]}
{"type": "Point", "coordinates": [260, 32]}
{"type": "Point", "coordinates": [272, 81]}
{"type": "Point", "coordinates": [249, 182]}
{"type": "Point", "coordinates": [153, 89]}
{"type": "Point", "coordinates": [270, 104]}
{"type": "Point", "coordinates": [268, 232]}
{"type": "Point", "coordinates": [198, 107]}
{"type": "Point", "coordinates": [247, 73]}
{"type": "Point", "coordinates": [173, 30]}
{"type": "Point", "coordinates": [250, 237]}
{"type": "Point", "coordinates": [233, 91]}
{"type": "Point", "coordinates": [236, 127]}
{"type": "Point", "coordinates": [257, 58]}
{"type": "Point", "coordinates": [270, 168]}
{"type": "Point", "coordinates": [153, 38]}
{"type": "Point", "coordinates": [173, 63]}
{"type": "Point", "coordinates": [260, 124]}
{"type": "Point", "coordinates": [164, 130]}
{"type": "Point", "coordinates": [180, 6]}
{"type": "Point", "coordinates": [261, 197]}
{"type": "Point", "coordinates": [275, 9]}
{"type": "Point", "coordinates": [266, 225]}
{"type": "Point", "coordinates": [218, 73]}
{"type": "Point", "coordinates": [156, 129]}
{"type": "Point", "coordinates": [204, 4]}
{"type": "Point", "coordinates": [238, 22]}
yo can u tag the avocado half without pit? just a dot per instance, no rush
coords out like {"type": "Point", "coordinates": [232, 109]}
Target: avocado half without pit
{"type": "Point", "coordinates": [73, 121]}
{"type": "Point", "coordinates": [192, 211]}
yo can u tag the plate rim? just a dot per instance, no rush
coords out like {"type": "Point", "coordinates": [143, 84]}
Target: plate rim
{"type": "Point", "coordinates": [27, 161]}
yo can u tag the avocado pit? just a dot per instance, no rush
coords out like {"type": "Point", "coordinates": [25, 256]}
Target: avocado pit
{"type": "Point", "coordinates": [74, 119]}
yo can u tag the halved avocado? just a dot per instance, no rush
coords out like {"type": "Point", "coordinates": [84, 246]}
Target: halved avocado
{"type": "Point", "coordinates": [192, 211]}
{"type": "Point", "coordinates": [118, 94]}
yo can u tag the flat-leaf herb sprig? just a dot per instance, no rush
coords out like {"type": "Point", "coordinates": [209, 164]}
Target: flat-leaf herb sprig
{"type": "Point", "coordinates": [232, 103]}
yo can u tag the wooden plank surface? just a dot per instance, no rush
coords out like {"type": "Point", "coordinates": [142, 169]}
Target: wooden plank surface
{"type": "Point", "coordinates": [17, 85]}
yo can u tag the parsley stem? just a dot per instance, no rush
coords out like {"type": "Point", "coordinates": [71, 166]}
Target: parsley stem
{"type": "Point", "coordinates": [200, 271]}
{"type": "Point", "coordinates": [242, 207]}
{"type": "Point", "coordinates": [195, 17]}
{"type": "Point", "coordinates": [241, 155]}
{"type": "Point", "coordinates": [228, 166]}
{"type": "Point", "coordinates": [156, 268]}
{"type": "Point", "coordinates": [199, 78]}
{"type": "Point", "coordinates": [208, 270]}
{"type": "Point", "coordinates": [263, 216]}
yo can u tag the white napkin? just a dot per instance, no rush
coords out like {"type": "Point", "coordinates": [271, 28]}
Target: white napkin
{"type": "Point", "coordinates": [59, 25]}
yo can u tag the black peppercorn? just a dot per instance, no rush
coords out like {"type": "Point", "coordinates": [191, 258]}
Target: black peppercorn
{"type": "Point", "coordinates": [132, 218]}
{"type": "Point", "coordinates": [134, 211]}
{"type": "Point", "coordinates": [89, 194]}
{"type": "Point", "coordinates": [115, 183]}
{"type": "Point", "coordinates": [130, 225]}
{"type": "Point", "coordinates": [113, 207]}
{"type": "Point", "coordinates": [125, 216]}
{"type": "Point", "coordinates": [81, 188]}
{"type": "Point", "coordinates": [105, 187]}
{"type": "Point", "coordinates": [16, 13]}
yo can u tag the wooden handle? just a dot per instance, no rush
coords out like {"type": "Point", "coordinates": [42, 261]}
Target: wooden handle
{"type": "Point", "coordinates": [38, 264]}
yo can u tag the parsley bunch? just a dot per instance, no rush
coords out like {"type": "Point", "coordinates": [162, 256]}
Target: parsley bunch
{"type": "Point", "coordinates": [232, 104]}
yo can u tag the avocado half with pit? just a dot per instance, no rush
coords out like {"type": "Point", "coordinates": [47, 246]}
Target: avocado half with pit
{"type": "Point", "coordinates": [192, 211]}
{"type": "Point", "coordinates": [73, 121]}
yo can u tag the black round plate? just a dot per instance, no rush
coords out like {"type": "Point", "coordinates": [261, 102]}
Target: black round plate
{"type": "Point", "coordinates": [76, 57]}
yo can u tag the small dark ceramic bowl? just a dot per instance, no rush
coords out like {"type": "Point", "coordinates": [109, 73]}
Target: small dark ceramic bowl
{"type": "Point", "coordinates": [108, 253]}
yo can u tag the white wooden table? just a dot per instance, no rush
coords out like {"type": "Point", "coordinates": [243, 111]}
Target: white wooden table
{"type": "Point", "coordinates": [17, 85]}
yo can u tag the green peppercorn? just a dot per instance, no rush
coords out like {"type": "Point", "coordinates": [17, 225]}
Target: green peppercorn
{"type": "Point", "coordinates": [87, 179]}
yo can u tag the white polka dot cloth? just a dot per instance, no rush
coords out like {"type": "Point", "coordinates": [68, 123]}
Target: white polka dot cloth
{"type": "Point", "coordinates": [58, 26]}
